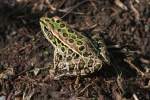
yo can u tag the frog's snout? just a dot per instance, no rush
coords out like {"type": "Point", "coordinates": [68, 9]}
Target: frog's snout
{"type": "Point", "coordinates": [41, 20]}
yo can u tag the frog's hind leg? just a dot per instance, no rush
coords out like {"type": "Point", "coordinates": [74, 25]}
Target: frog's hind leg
{"type": "Point", "coordinates": [55, 63]}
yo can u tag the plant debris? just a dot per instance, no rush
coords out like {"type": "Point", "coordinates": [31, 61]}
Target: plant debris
{"type": "Point", "coordinates": [26, 56]}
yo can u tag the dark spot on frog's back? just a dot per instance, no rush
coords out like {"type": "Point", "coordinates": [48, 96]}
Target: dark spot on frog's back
{"type": "Point", "coordinates": [59, 56]}
{"type": "Point", "coordinates": [58, 41]}
{"type": "Point", "coordinates": [69, 58]}
{"type": "Point", "coordinates": [76, 56]}
{"type": "Point", "coordinates": [71, 40]}
{"type": "Point", "coordinates": [79, 43]}
{"type": "Point", "coordinates": [86, 54]}
{"type": "Point", "coordinates": [73, 36]}
{"type": "Point", "coordinates": [79, 36]}
{"type": "Point", "coordinates": [70, 51]}
{"type": "Point", "coordinates": [58, 21]}
{"type": "Point", "coordinates": [63, 49]}
{"type": "Point", "coordinates": [81, 48]}
{"type": "Point", "coordinates": [70, 30]}
{"type": "Point", "coordinates": [62, 25]}
{"type": "Point", "coordinates": [59, 30]}
{"type": "Point", "coordinates": [52, 20]}
{"type": "Point", "coordinates": [65, 35]}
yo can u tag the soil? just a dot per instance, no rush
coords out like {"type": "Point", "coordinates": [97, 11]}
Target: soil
{"type": "Point", "coordinates": [26, 56]}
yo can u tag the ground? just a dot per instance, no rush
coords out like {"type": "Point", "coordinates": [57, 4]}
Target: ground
{"type": "Point", "coordinates": [25, 54]}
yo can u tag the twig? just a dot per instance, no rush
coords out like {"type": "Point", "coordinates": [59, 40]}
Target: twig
{"type": "Point", "coordinates": [135, 97]}
{"type": "Point", "coordinates": [134, 67]}
{"type": "Point", "coordinates": [85, 88]}
{"type": "Point", "coordinates": [119, 82]}
{"type": "Point", "coordinates": [137, 1]}
{"type": "Point", "coordinates": [137, 15]}
{"type": "Point", "coordinates": [120, 4]}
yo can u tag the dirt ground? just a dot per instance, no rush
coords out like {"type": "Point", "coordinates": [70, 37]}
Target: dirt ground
{"type": "Point", "coordinates": [25, 54]}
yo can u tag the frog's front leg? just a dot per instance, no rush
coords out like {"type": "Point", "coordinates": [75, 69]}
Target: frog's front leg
{"type": "Point", "coordinates": [77, 83]}
{"type": "Point", "coordinates": [53, 68]}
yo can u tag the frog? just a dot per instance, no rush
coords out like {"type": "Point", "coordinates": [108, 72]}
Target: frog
{"type": "Point", "coordinates": [74, 53]}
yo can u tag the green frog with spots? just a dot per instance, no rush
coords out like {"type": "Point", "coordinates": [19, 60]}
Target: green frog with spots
{"type": "Point", "coordinates": [74, 53]}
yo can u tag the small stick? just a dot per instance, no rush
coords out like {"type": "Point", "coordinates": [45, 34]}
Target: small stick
{"type": "Point", "coordinates": [120, 4]}
{"type": "Point", "coordinates": [85, 88]}
{"type": "Point", "coordinates": [137, 15]}
{"type": "Point", "coordinates": [134, 67]}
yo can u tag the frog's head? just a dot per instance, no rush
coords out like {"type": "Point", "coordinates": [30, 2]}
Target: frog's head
{"type": "Point", "coordinates": [52, 26]}
{"type": "Point", "coordinates": [49, 24]}
{"type": "Point", "coordinates": [46, 26]}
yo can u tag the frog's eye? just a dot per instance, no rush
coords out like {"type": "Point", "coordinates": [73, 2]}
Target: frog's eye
{"type": "Point", "coordinates": [47, 20]}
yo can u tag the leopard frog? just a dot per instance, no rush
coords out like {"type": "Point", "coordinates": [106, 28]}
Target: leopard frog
{"type": "Point", "coordinates": [74, 53]}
